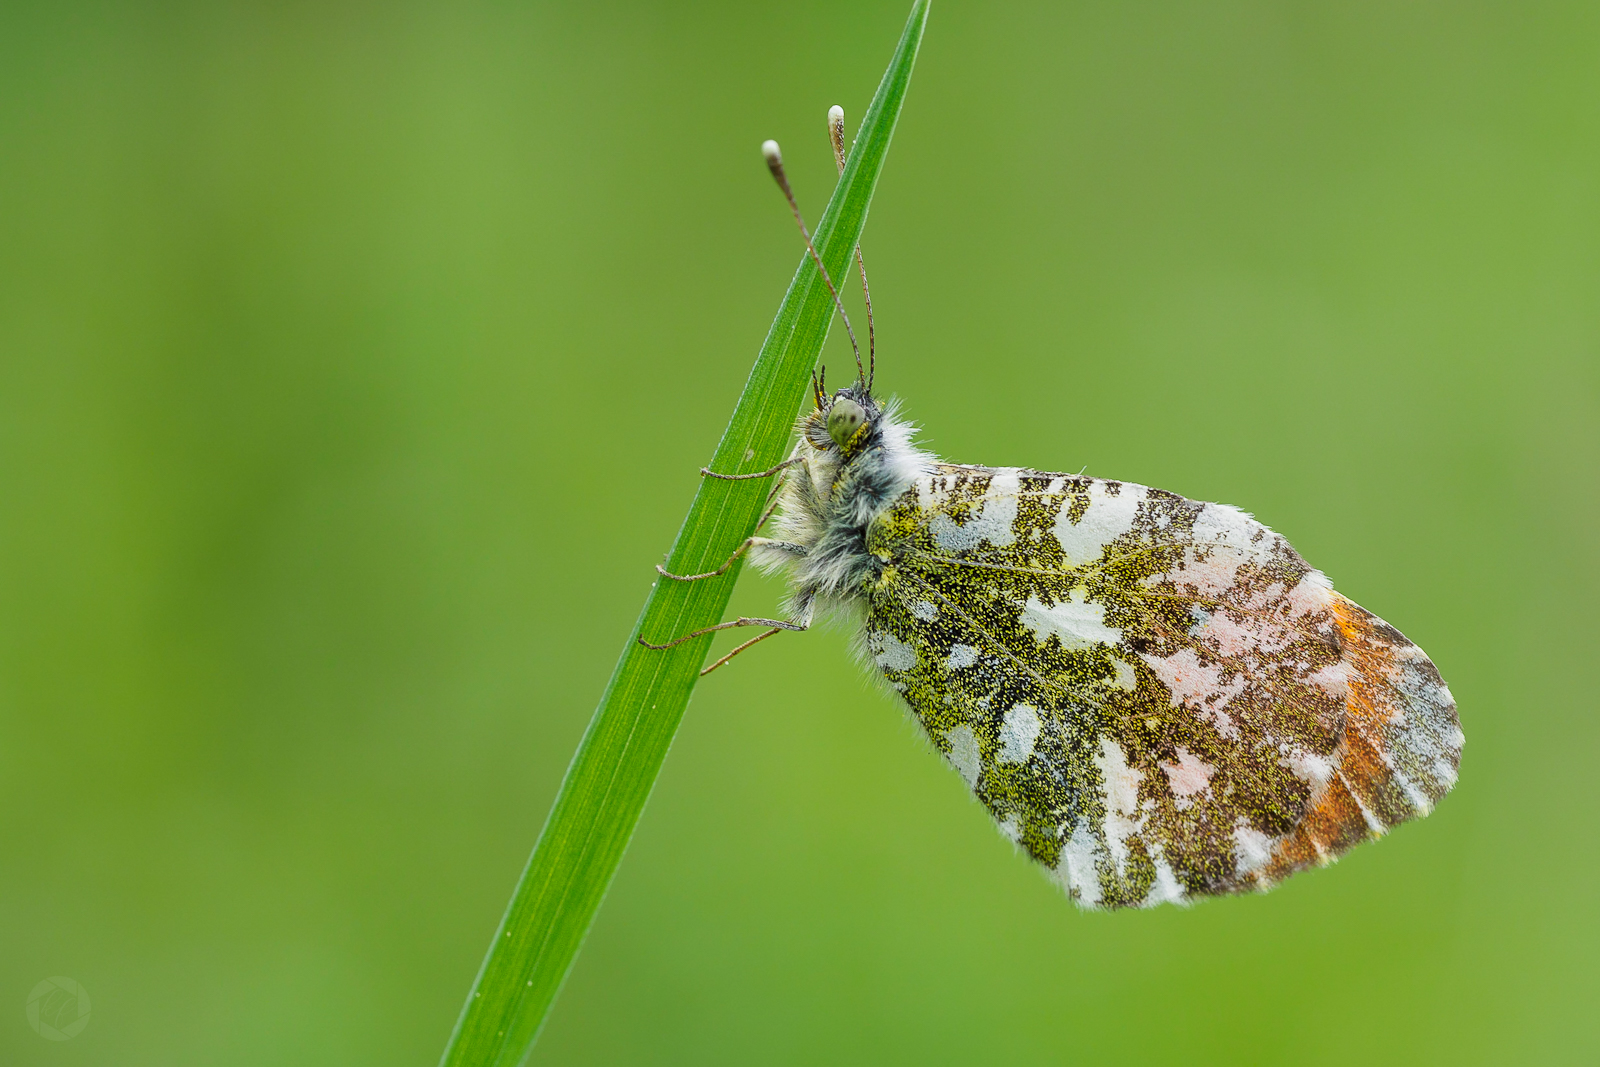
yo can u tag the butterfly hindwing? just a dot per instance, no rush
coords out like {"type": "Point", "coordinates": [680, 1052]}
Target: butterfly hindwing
{"type": "Point", "coordinates": [1155, 698]}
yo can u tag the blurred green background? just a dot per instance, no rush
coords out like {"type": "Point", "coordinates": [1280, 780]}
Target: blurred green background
{"type": "Point", "coordinates": [356, 361]}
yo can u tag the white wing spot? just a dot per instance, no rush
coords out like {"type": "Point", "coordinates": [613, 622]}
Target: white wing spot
{"type": "Point", "coordinates": [1197, 685]}
{"type": "Point", "coordinates": [1125, 678]}
{"type": "Point", "coordinates": [1189, 777]}
{"type": "Point", "coordinates": [1334, 679]}
{"type": "Point", "coordinates": [1252, 849]}
{"type": "Point", "coordinates": [964, 753]}
{"type": "Point", "coordinates": [926, 610]}
{"type": "Point", "coordinates": [961, 656]}
{"type": "Point", "coordinates": [1230, 637]}
{"type": "Point", "coordinates": [1019, 734]}
{"type": "Point", "coordinates": [1311, 594]}
{"type": "Point", "coordinates": [1418, 798]}
{"type": "Point", "coordinates": [1226, 524]}
{"type": "Point", "coordinates": [1122, 799]}
{"type": "Point", "coordinates": [1106, 519]}
{"type": "Point", "coordinates": [1076, 868]}
{"type": "Point", "coordinates": [1078, 622]}
{"type": "Point", "coordinates": [1310, 768]}
{"type": "Point", "coordinates": [894, 654]}
{"type": "Point", "coordinates": [993, 524]}
{"type": "Point", "coordinates": [1167, 889]}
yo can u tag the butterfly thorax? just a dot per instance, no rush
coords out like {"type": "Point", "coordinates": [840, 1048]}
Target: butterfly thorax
{"type": "Point", "coordinates": [834, 493]}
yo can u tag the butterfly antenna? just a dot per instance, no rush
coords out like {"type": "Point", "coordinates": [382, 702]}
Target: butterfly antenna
{"type": "Point", "coordinates": [774, 157]}
{"type": "Point", "coordinates": [836, 135]}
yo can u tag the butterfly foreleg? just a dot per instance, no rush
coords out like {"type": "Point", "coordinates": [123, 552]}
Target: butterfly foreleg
{"type": "Point", "coordinates": [707, 472]}
{"type": "Point", "coordinates": [772, 497]}
{"type": "Point", "coordinates": [772, 505]}
{"type": "Point", "coordinates": [749, 543]}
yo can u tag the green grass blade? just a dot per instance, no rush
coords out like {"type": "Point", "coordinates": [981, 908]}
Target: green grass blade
{"type": "Point", "coordinates": [616, 764]}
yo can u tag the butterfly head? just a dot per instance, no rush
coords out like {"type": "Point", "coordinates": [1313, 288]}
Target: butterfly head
{"type": "Point", "coordinates": [844, 423]}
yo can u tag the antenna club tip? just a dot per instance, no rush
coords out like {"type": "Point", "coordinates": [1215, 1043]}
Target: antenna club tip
{"type": "Point", "coordinates": [836, 115]}
{"type": "Point", "coordinates": [770, 150]}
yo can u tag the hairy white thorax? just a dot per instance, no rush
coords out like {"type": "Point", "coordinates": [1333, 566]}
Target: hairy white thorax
{"type": "Point", "coordinates": [827, 501]}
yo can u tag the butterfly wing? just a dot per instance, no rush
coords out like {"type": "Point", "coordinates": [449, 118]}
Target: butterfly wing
{"type": "Point", "coordinates": [1156, 698]}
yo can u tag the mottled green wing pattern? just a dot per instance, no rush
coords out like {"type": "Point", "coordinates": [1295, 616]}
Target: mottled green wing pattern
{"type": "Point", "coordinates": [1155, 698]}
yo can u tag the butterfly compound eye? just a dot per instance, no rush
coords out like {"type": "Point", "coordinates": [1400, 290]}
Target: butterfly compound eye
{"type": "Point", "coordinates": [844, 419]}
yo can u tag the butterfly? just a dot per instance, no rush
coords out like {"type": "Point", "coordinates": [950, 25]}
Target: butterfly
{"type": "Point", "coordinates": [1157, 699]}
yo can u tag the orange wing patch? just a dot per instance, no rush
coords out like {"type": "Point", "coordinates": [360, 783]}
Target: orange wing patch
{"type": "Point", "coordinates": [1400, 751]}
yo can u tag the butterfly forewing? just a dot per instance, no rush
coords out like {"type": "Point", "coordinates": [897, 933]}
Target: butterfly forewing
{"type": "Point", "coordinates": [1156, 698]}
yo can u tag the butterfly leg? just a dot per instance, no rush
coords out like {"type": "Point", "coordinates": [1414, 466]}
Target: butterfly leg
{"type": "Point", "coordinates": [777, 626]}
{"type": "Point", "coordinates": [749, 543]}
{"type": "Point", "coordinates": [772, 505]}
{"type": "Point", "coordinates": [707, 472]}
{"type": "Point", "coordinates": [754, 640]}
{"type": "Point", "coordinates": [780, 624]}
{"type": "Point", "coordinates": [772, 498]}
